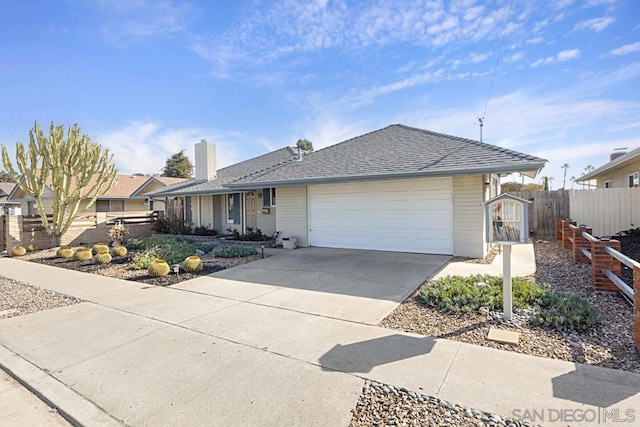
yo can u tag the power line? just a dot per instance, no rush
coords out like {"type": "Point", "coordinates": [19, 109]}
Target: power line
{"type": "Point", "coordinates": [495, 68]}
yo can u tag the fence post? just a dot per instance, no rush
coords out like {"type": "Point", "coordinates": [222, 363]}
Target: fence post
{"type": "Point", "coordinates": [600, 260]}
{"type": "Point", "coordinates": [579, 243]}
{"type": "Point", "coordinates": [559, 227]}
{"type": "Point", "coordinates": [566, 233]}
{"type": "Point", "coordinates": [636, 307]}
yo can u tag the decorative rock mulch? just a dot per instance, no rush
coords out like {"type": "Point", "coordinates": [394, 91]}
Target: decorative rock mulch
{"type": "Point", "coordinates": [17, 298]}
{"type": "Point", "coordinates": [609, 345]}
{"type": "Point", "coordinates": [385, 405]}
{"type": "Point", "coordinates": [119, 267]}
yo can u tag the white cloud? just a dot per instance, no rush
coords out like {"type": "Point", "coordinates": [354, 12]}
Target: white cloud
{"type": "Point", "coordinates": [143, 146]}
{"type": "Point", "coordinates": [567, 55]}
{"type": "Point", "coordinates": [563, 56]}
{"type": "Point", "coordinates": [514, 57]}
{"type": "Point", "coordinates": [596, 24]}
{"type": "Point", "coordinates": [626, 49]}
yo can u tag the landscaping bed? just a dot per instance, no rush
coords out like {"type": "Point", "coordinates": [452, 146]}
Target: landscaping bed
{"type": "Point", "coordinates": [20, 298]}
{"type": "Point", "coordinates": [610, 344]}
{"type": "Point", "coordinates": [134, 264]}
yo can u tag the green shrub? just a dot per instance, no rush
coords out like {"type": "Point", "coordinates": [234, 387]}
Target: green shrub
{"type": "Point", "coordinates": [173, 253]}
{"type": "Point", "coordinates": [65, 252]}
{"type": "Point", "coordinates": [565, 312]}
{"type": "Point", "coordinates": [171, 226]}
{"type": "Point", "coordinates": [82, 254]}
{"type": "Point", "coordinates": [192, 264]}
{"type": "Point", "coordinates": [466, 294]}
{"type": "Point", "coordinates": [250, 236]}
{"type": "Point", "coordinates": [158, 268]}
{"type": "Point", "coordinates": [102, 257]}
{"type": "Point", "coordinates": [149, 242]}
{"type": "Point", "coordinates": [235, 251]}
{"type": "Point", "coordinates": [205, 247]}
{"type": "Point", "coordinates": [205, 230]}
{"type": "Point", "coordinates": [143, 260]}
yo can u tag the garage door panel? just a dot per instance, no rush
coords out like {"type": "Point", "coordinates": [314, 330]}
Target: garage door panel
{"type": "Point", "coordinates": [399, 215]}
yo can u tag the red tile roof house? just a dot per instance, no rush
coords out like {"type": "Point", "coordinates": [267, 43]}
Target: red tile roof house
{"type": "Point", "coordinates": [129, 193]}
{"type": "Point", "coordinates": [395, 189]}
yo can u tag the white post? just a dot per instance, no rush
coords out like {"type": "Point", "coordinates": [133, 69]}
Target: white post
{"type": "Point", "coordinates": [507, 303]}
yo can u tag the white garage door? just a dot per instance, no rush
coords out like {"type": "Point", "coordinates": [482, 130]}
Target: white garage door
{"type": "Point", "coordinates": [414, 215]}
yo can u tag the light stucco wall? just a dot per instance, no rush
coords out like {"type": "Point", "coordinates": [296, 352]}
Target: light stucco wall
{"type": "Point", "coordinates": [468, 216]}
{"type": "Point", "coordinates": [618, 177]}
{"type": "Point", "coordinates": [291, 214]}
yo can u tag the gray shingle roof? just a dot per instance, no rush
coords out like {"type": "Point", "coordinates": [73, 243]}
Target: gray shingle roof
{"type": "Point", "coordinates": [396, 150]}
{"type": "Point", "coordinates": [231, 173]}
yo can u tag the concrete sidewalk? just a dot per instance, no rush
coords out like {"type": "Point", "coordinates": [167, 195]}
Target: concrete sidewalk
{"type": "Point", "coordinates": [523, 263]}
{"type": "Point", "coordinates": [168, 356]}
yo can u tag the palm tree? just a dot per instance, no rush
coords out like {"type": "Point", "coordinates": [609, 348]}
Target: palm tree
{"type": "Point", "coordinates": [564, 177]}
{"type": "Point", "coordinates": [587, 169]}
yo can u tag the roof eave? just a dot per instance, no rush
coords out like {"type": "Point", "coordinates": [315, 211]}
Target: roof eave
{"type": "Point", "coordinates": [531, 169]}
{"type": "Point", "coordinates": [630, 156]}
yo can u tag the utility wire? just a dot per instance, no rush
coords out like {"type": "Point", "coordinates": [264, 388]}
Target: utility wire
{"type": "Point", "coordinates": [495, 69]}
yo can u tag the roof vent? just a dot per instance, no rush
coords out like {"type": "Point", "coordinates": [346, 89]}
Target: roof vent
{"type": "Point", "coordinates": [299, 154]}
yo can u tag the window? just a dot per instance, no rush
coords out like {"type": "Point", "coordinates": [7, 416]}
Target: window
{"type": "Point", "coordinates": [109, 205]}
{"type": "Point", "coordinates": [608, 184]}
{"type": "Point", "coordinates": [230, 208]}
{"type": "Point", "coordinates": [634, 179]}
{"type": "Point", "coordinates": [233, 208]}
{"type": "Point", "coordinates": [268, 197]}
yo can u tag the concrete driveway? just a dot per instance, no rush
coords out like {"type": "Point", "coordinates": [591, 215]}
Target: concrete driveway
{"type": "Point", "coordinates": [360, 286]}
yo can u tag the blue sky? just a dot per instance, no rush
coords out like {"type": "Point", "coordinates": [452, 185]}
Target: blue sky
{"type": "Point", "coordinates": [149, 78]}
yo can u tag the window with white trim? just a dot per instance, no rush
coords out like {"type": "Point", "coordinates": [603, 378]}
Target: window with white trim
{"type": "Point", "coordinates": [634, 179]}
{"type": "Point", "coordinates": [230, 208]}
{"type": "Point", "coordinates": [268, 197]}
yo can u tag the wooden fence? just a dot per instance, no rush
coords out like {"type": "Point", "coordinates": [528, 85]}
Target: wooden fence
{"type": "Point", "coordinates": [606, 210]}
{"type": "Point", "coordinates": [545, 207]}
{"type": "Point", "coordinates": [89, 227]}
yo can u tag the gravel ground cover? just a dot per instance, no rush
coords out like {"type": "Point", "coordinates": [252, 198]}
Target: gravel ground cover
{"type": "Point", "coordinates": [119, 267]}
{"type": "Point", "coordinates": [17, 298]}
{"type": "Point", "coordinates": [386, 405]}
{"type": "Point", "coordinates": [609, 345]}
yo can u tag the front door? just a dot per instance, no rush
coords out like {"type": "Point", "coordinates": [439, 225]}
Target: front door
{"type": "Point", "coordinates": [252, 210]}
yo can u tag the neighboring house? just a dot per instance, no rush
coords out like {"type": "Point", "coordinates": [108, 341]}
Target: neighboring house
{"type": "Point", "coordinates": [5, 189]}
{"type": "Point", "coordinates": [127, 194]}
{"type": "Point", "coordinates": [394, 189]}
{"type": "Point", "coordinates": [623, 170]}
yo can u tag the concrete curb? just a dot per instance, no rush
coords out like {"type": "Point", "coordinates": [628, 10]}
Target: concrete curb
{"type": "Point", "coordinates": [71, 406]}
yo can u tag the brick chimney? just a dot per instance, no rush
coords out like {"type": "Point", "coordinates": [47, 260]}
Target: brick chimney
{"type": "Point", "coordinates": [205, 161]}
{"type": "Point", "coordinates": [615, 155]}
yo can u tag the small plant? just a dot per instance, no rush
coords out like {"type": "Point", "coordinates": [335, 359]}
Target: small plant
{"type": "Point", "coordinates": [119, 251]}
{"type": "Point", "coordinates": [102, 257]}
{"type": "Point", "coordinates": [565, 312]}
{"type": "Point", "coordinates": [18, 251]}
{"type": "Point", "coordinates": [152, 241]}
{"type": "Point", "coordinates": [251, 235]}
{"type": "Point", "coordinates": [158, 268]}
{"type": "Point", "coordinates": [466, 294]}
{"type": "Point", "coordinates": [65, 252]}
{"type": "Point", "coordinates": [82, 254]}
{"type": "Point", "coordinates": [99, 247]}
{"type": "Point", "coordinates": [171, 226]}
{"type": "Point", "coordinates": [117, 232]}
{"type": "Point", "coordinates": [32, 248]}
{"type": "Point", "coordinates": [205, 230]}
{"type": "Point", "coordinates": [235, 251]}
{"type": "Point", "coordinates": [192, 264]}
{"type": "Point", "coordinates": [144, 259]}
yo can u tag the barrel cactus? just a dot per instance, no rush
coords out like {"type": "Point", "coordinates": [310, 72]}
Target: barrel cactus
{"type": "Point", "coordinates": [119, 251]}
{"type": "Point", "coordinates": [32, 248]}
{"type": "Point", "coordinates": [158, 268]}
{"type": "Point", "coordinates": [99, 247]}
{"type": "Point", "coordinates": [82, 254]}
{"type": "Point", "coordinates": [65, 252]}
{"type": "Point", "coordinates": [192, 264]}
{"type": "Point", "coordinates": [102, 257]}
{"type": "Point", "coordinates": [18, 251]}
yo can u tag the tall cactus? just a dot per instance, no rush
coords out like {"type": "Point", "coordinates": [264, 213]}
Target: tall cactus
{"type": "Point", "coordinates": [72, 168]}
